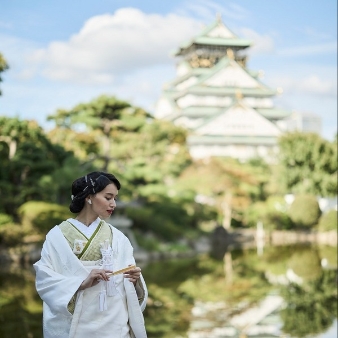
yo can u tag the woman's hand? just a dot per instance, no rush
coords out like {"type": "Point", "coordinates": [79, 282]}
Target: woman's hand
{"type": "Point", "coordinates": [133, 274]}
{"type": "Point", "coordinates": [94, 278]}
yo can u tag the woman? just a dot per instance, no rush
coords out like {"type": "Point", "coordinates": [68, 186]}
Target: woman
{"type": "Point", "coordinates": [84, 294]}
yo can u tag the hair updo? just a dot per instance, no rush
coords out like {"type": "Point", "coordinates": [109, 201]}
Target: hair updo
{"type": "Point", "coordinates": [90, 184]}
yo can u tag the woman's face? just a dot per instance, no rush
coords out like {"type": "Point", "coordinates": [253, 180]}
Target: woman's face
{"type": "Point", "coordinates": [104, 202]}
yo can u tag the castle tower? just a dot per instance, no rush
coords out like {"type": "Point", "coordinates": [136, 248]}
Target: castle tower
{"type": "Point", "coordinates": [224, 105]}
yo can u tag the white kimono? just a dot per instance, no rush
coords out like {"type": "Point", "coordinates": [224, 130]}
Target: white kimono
{"type": "Point", "coordinates": [59, 274]}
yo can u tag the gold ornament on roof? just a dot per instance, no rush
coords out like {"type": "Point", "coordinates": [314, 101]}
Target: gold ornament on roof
{"type": "Point", "coordinates": [239, 94]}
{"type": "Point", "coordinates": [202, 62]}
{"type": "Point", "coordinates": [230, 53]}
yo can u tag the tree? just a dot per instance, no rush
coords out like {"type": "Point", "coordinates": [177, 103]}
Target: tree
{"type": "Point", "coordinates": [226, 183]}
{"type": "Point", "coordinates": [304, 211]}
{"type": "Point", "coordinates": [3, 66]}
{"type": "Point", "coordinates": [28, 158]}
{"type": "Point", "coordinates": [145, 153]}
{"type": "Point", "coordinates": [311, 308]}
{"type": "Point", "coordinates": [99, 119]}
{"type": "Point", "coordinates": [328, 221]}
{"type": "Point", "coordinates": [309, 164]}
{"type": "Point", "coordinates": [115, 136]}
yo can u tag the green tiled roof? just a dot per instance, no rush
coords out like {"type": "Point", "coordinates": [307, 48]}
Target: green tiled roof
{"type": "Point", "coordinates": [274, 112]}
{"type": "Point", "coordinates": [201, 111]}
{"type": "Point", "coordinates": [204, 39]}
{"type": "Point", "coordinates": [210, 111]}
{"type": "Point", "coordinates": [204, 90]}
{"type": "Point", "coordinates": [209, 28]}
{"type": "Point", "coordinates": [254, 73]}
{"type": "Point", "coordinates": [208, 40]}
{"type": "Point", "coordinates": [204, 74]}
{"type": "Point", "coordinates": [193, 72]}
{"type": "Point", "coordinates": [222, 140]}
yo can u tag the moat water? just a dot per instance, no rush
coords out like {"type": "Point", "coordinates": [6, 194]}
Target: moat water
{"type": "Point", "coordinates": [288, 291]}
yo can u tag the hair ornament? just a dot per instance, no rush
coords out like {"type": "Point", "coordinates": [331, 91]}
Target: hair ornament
{"type": "Point", "coordinates": [93, 184]}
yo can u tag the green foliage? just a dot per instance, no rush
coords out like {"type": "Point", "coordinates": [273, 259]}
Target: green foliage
{"type": "Point", "coordinates": [168, 312]}
{"type": "Point", "coordinates": [20, 305]}
{"type": "Point", "coordinates": [309, 164]}
{"type": "Point", "coordinates": [330, 254]}
{"type": "Point", "coordinates": [306, 264]}
{"type": "Point", "coordinates": [83, 144]}
{"type": "Point", "coordinates": [168, 220]}
{"type": "Point", "coordinates": [226, 184]}
{"type": "Point", "coordinates": [149, 219]}
{"type": "Point", "coordinates": [5, 219]}
{"type": "Point", "coordinates": [56, 186]}
{"type": "Point", "coordinates": [42, 216]}
{"type": "Point", "coordinates": [310, 309]}
{"type": "Point", "coordinates": [275, 259]}
{"type": "Point", "coordinates": [12, 234]}
{"type": "Point", "coordinates": [147, 242]}
{"type": "Point", "coordinates": [26, 157]}
{"type": "Point", "coordinates": [176, 271]}
{"type": "Point", "coordinates": [304, 211]}
{"type": "Point", "coordinates": [272, 213]}
{"type": "Point", "coordinates": [90, 114]}
{"type": "Point", "coordinates": [248, 284]}
{"type": "Point", "coordinates": [144, 152]}
{"type": "Point", "coordinates": [328, 221]}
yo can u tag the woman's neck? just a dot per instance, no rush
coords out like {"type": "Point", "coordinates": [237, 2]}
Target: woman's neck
{"type": "Point", "coordinates": [86, 219]}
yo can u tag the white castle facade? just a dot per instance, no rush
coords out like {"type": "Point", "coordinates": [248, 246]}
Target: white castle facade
{"type": "Point", "coordinates": [224, 105]}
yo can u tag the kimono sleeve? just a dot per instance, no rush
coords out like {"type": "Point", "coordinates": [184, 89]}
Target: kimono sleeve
{"type": "Point", "coordinates": [140, 287]}
{"type": "Point", "coordinates": [55, 282]}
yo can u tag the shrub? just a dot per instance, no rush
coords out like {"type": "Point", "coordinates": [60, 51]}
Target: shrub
{"type": "Point", "coordinates": [5, 219]}
{"type": "Point", "coordinates": [12, 234]}
{"type": "Point", "coordinates": [272, 213]}
{"type": "Point", "coordinates": [147, 219]}
{"type": "Point", "coordinates": [305, 211]}
{"type": "Point", "coordinates": [329, 253]}
{"type": "Point", "coordinates": [328, 221]}
{"type": "Point", "coordinates": [168, 220]}
{"type": "Point", "coordinates": [42, 216]}
{"type": "Point", "coordinates": [306, 264]}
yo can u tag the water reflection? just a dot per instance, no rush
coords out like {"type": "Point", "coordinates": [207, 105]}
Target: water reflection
{"type": "Point", "coordinates": [282, 292]}
{"type": "Point", "coordinates": [20, 305]}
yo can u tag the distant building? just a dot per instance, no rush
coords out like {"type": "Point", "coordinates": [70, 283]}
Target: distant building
{"type": "Point", "coordinates": [305, 122]}
{"type": "Point", "coordinates": [226, 107]}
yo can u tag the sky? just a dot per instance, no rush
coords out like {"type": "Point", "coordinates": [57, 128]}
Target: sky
{"type": "Point", "coordinates": [62, 53]}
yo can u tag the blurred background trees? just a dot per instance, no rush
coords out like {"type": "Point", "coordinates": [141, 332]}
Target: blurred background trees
{"type": "Point", "coordinates": [311, 308]}
{"type": "Point", "coordinates": [171, 194]}
{"type": "Point", "coordinates": [309, 164]}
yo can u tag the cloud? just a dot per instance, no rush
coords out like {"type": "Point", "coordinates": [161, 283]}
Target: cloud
{"type": "Point", "coordinates": [13, 49]}
{"type": "Point", "coordinates": [311, 84]}
{"type": "Point", "coordinates": [112, 44]}
{"type": "Point", "coordinates": [324, 48]}
{"type": "Point", "coordinates": [262, 44]}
